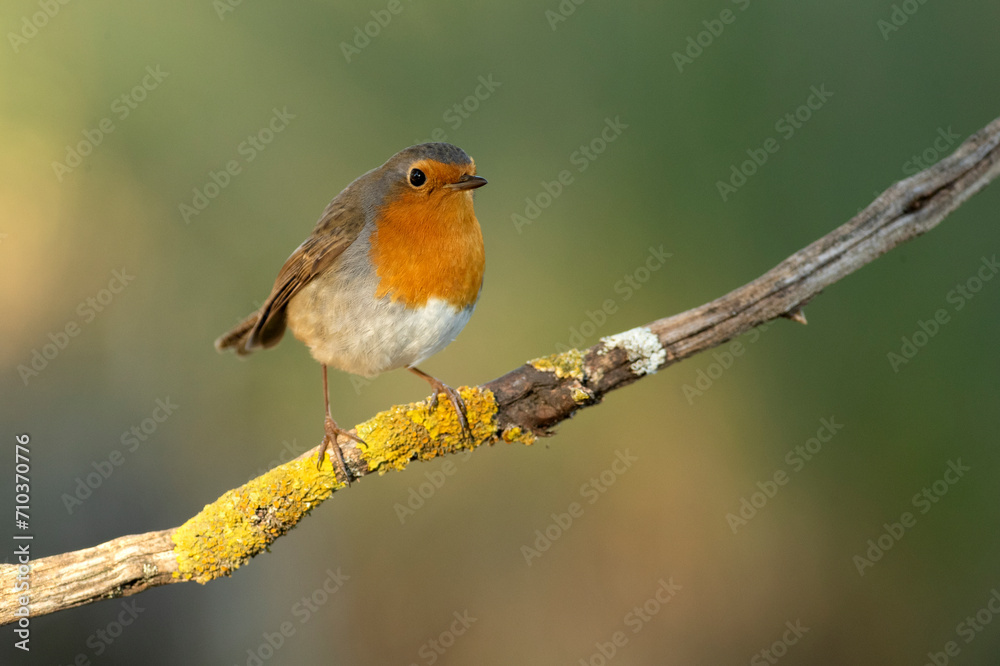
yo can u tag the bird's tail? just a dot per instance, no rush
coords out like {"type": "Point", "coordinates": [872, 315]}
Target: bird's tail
{"type": "Point", "coordinates": [236, 339]}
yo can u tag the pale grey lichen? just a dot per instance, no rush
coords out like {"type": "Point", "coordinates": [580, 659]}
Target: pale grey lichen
{"type": "Point", "coordinates": [643, 348]}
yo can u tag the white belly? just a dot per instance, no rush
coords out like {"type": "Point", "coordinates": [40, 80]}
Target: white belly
{"type": "Point", "coordinates": [338, 318]}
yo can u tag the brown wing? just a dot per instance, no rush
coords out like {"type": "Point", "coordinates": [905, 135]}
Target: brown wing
{"type": "Point", "coordinates": [339, 226]}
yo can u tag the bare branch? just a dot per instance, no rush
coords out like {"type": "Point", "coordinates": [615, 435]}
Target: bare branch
{"type": "Point", "coordinates": [517, 407]}
{"type": "Point", "coordinates": [116, 568]}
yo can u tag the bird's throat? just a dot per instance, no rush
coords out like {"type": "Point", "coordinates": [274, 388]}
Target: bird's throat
{"type": "Point", "coordinates": [429, 247]}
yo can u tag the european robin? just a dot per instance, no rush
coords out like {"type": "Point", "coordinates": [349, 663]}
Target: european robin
{"type": "Point", "coordinates": [389, 276]}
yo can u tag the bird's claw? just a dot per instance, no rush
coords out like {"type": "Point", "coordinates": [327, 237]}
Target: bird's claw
{"type": "Point", "coordinates": [332, 431]}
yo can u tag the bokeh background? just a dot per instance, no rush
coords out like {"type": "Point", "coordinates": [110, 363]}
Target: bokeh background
{"type": "Point", "coordinates": [223, 69]}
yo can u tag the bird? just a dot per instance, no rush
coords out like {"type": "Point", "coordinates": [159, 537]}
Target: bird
{"type": "Point", "coordinates": [389, 276]}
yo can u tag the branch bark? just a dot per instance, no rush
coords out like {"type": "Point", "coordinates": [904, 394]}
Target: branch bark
{"type": "Point", "coordinates": [516, 407]}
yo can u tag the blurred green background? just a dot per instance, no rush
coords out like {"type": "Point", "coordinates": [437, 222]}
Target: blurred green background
{"type": "Point", "coordinates": [221, 71]}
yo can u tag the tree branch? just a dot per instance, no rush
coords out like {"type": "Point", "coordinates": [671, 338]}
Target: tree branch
{"type": "Point", "coordinates": [517, 407]}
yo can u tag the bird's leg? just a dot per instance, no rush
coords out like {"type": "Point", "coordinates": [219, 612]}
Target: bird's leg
{"type": "Point", "coordinates": [453, 396]}
{"type": "Point", "coordinates": [332, 430]}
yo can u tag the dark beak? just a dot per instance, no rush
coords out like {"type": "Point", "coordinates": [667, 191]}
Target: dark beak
{"type": "Point", "coordinates": [467, 182]}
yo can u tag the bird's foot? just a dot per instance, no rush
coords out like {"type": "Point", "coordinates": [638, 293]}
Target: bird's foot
{"type": "Point", "coordinates": [332, 431]}
{"type": "Point", "coordinates": [453, 397]}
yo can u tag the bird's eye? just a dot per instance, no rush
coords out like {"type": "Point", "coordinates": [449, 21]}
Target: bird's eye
{"type": "Point", "coordinates": [417, 177]}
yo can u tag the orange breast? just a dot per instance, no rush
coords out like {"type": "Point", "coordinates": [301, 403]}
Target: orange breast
{"type": "Point", "coordinates": [427, 247]}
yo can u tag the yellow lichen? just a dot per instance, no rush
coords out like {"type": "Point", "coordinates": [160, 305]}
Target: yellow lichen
{"type": "Point", "coordinates": [566, 364]}
{"type": "Point", "coordinates": [581, 395]}
{"type": "Point", "coordinates": [244, 521]}
{"type": "Point", "coordinates": [406, 432]}
{"type": "Point", "coordinates": [512, 434]}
